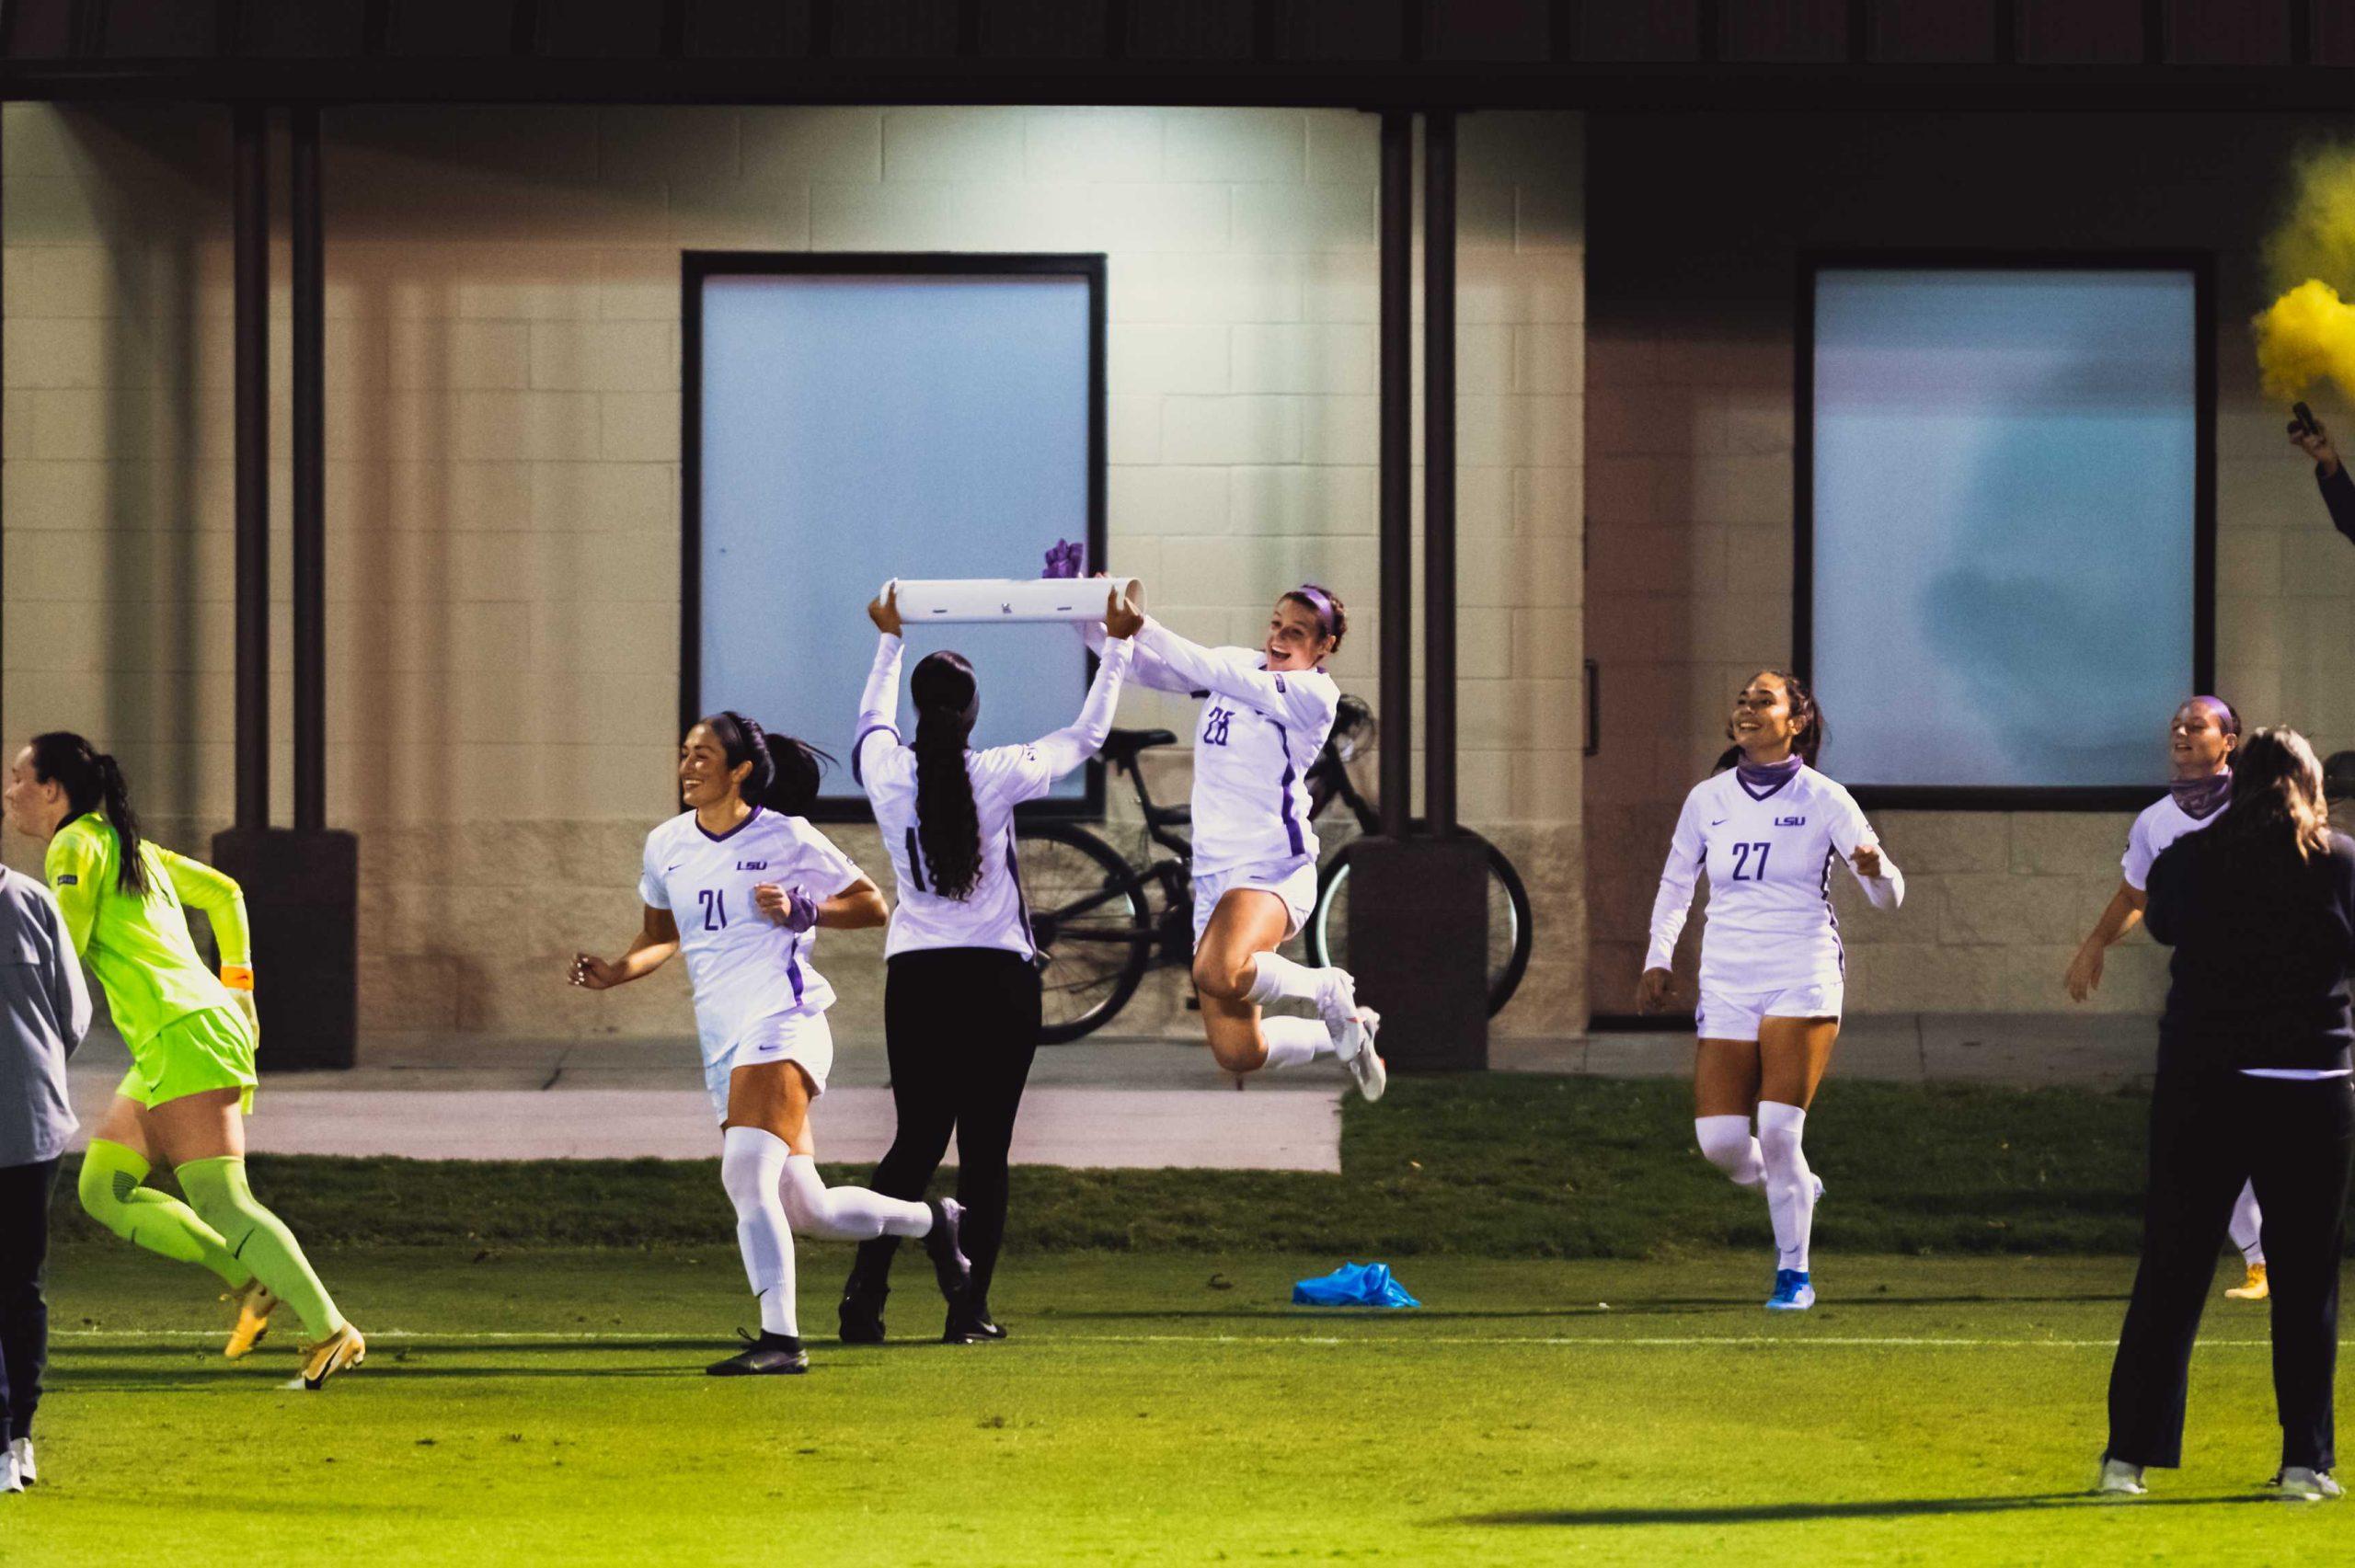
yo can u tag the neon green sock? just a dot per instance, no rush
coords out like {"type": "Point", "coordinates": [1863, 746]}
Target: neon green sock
{"type": "Point", "coordinates": [258, 1239]}
{"type": "Point", "coordinates": [111, 1194]}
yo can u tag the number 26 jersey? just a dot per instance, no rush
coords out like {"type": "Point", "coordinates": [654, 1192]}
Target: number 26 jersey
{"type": "Point", "coordinates": [1769, 857]}
{"type": "Point", "coordinates": [744, 966]}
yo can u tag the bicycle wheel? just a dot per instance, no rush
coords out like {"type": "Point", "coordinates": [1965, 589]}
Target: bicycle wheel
{"type": "Point", "coordinates": [1089, 918]}
{"type": "Point", "coordinates": [1510, 924]}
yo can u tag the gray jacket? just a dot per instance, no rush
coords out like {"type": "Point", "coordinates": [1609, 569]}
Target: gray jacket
{"type": "Point", "coordinates": [44, 1012]}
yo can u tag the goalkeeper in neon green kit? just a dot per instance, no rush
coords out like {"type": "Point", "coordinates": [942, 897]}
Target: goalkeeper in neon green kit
{"type": "Point", "coordinates": [191, 1037]}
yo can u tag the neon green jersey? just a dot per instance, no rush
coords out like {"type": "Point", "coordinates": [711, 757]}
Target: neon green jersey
{"type": "Point", "coordinates": [141, 949]}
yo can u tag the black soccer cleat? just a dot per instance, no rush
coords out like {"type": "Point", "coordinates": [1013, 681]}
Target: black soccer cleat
{"type": "Point", "coordinates": [972, 1325]}
{"type": "Point", "coordinates": [771, 1355]}
{"type": "Point", "coordinates": [861, 1317]}
{"type": "Point", "coordinates": [948, 1265]}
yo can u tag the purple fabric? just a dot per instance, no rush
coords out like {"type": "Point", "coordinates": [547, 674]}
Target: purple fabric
{"type": "Point", "coordinates": [1065, 560]}
{"type": "Point", "coordinates": [1761, 779]}
{"type": "Point", "coordinates": [2201, 799]}
{"type": "Point", "coordinates": [801, 911]}
{"type": "Point", "coordinates": [1320, 602]}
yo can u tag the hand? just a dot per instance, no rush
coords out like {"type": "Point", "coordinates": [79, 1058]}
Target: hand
{"type": "Point", "coordinates": [1867, 860]}
{"type": "Point", "coordinates": [2316, 443]}
{"type": "Point", "coordinates": [884, 609]}
{"type": "Point", "coordinates": [2085, 973]}
{"type": "Point", "coordinates": [592, 973]}
{"type": "Point", "coordinates": [788, 907]}
{"type": "Point", "coordinates": [1121, 619]}
{"type": "Point", "coordinates": [1651, 991]}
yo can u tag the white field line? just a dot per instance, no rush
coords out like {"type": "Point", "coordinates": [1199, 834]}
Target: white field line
{"type": "Point", "coordinates": [1587, 1342]}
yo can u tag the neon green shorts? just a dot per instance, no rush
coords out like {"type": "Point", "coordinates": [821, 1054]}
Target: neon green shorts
{"type": "Point", "coordinates": [197, 1051]}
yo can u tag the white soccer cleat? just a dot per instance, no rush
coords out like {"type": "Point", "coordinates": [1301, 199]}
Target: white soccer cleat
{"type": "Point", "coordinates": [1337, 1004]}
{"type": "Point", "coordinates": [2120, 1479]}
{"type": "Point", "coordinates": [21, 1450]}
{"type": "Point", "coordinates": [11, 1478]}
{"type": "Point", "coordinates": [1364, 1062]}
{"type": "Point", "coordinates": [2300, 1485]}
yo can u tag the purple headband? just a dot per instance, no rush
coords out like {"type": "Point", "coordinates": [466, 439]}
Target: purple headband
{"type": "Point", "coordinates": [1319, 600]}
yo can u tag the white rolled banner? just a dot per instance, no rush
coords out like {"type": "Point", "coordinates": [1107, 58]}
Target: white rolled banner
{"type": "Point", "coordinates": [1008, 599]}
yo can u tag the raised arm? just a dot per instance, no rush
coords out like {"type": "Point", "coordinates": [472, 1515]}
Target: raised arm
{"type": "Point", "coordinates": [1145, 668]}
{"type": "Point", "coordinates": [1304, 698]}
{"type": "Point", "coordinates": [879, 706]}
{"type": "Point", "coordinates": [1067, 747]}
{"type": "Point", "coordinates": [217, 894]}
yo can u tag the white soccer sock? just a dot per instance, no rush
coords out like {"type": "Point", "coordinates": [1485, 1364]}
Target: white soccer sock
{"type": "Point", "coordinates": [2248, 1229]}
{"type": "Point", "coordinates": [1294, 1042]}
{"type": "Point", "coordinates": [1726, 1143]}
{"type": "Point", "coordinates": [751, 1162]}
{"type": "Point", "coordinates": [1275, 977]}
{"type": "Point", "coordinates": [1790, 1185]}
{"type": "Point", "coordinates": [845, 1214]}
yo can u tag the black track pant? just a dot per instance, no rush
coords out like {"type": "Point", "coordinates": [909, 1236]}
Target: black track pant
{"type": "Point", "coordinates": [2210, 1132]}
{"type": "Point", "coordinates": [961, 1024]}
{"type": "Point", "coordinates": [24, 1316]}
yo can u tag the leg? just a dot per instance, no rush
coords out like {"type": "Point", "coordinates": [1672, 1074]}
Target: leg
{"type": "Point", "coordinates": [1248, 923]}
{"type": "Point", "coordinates": [25, 1192]}
{"type": "Point", "coordinates": [991, 1096]}
{"type": "Point", "coordinates": [773, 1098]}
{"type": "Point", "coordinates": [1793, 1056]}
{"type": "Point", "coordinates": [2247, 1226]}
{"type": "Point", "coordinates": [203, 1136]}
{"type": "Point", "coordinates": [2301, 1159]}
{"type": "Point", "coordinates": [925, 1036]}
{"type": "Point", "coordinates": [118, 1161]}
{"type": "Point", "coordinates": [2194, 1173]}
{"type": "Point", "coordinates": [1725, 1093]}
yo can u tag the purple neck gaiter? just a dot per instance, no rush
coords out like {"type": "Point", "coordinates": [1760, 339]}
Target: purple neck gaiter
{"type": "Point", "coordinates": [1767, 775]}
{"type": "Point", "coordinates": [2199, 798]}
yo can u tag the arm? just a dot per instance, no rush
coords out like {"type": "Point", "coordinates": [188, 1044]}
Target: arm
{"type": "Point", "coordinates": [69, 992]}
{"type": "Point", "coordinates": [879, 706]}
{"type": "Point", "coordinates": [2338, 495]}
{"type": "Point", "coordinates": [224, 902]}
{"type": "Point", "coordinates": [1305, 701]}
{"type": "Point", "coordinates": [1853, 836]}
{"type": "Point", "coordinates": [73, 870]}
{"type": "Point", "coordinates": [657, 938]}
{"type": "Point", "coordinates": [1672, 905]}
{"type": "Point", "coordinates": [1067, 747]}
{"type": "Point", "coordinates": [856, 907]}
{"type": "Point", "coordinates": [1146, 668]}
{"type": "Point", "coordinates": [2123, 913]}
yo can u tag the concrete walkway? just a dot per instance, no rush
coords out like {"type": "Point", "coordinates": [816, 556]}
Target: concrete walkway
{"type": "Point", "coordinates": [1102, 1103]}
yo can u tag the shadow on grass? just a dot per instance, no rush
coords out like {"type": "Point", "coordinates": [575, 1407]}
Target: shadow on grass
{"type": "Point", "coordinates": [1888, 1508]}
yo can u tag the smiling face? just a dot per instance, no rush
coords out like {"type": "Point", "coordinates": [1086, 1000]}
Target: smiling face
{"type": "Point", "coordinates": [2197, 743]}
{"type": "Point", "coordinates": [1296, 638]}
{"type": "Point", "coordinates": [34, 808]}
{"type": "Point", "coordinates": [705, 777]}
{"type": "Point", "coordinates": [1762, 724]}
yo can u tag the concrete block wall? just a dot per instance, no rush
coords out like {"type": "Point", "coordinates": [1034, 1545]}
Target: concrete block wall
{"type": "Point", "coordinates": [503, 467]}
{"type": "Point", "coordinates": [1690, 498]}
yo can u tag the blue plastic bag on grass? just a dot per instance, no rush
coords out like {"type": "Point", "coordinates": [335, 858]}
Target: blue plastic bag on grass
{"type": "Point", "coordinates": [1353, 1285]}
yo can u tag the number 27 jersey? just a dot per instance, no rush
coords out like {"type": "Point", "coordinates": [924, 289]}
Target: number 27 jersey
{"type": "Point", "coordinates": [744, 966]}
{"type": "Point", "coordinates": [1769, 858]}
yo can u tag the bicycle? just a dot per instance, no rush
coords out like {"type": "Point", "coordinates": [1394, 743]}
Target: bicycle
{"type": "Point", "coordinates": [1101, 921]}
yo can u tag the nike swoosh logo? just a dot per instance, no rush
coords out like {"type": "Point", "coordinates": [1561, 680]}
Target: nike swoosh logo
{"type": "Point", "coordinates": [1720, 822]}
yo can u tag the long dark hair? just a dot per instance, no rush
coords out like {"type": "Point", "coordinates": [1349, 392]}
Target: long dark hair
{"type": "Point", "coordinates": [2276, 798]}
{"type": "Point", "coordinates": [1808, 728]}
{"type": "Point", "coordinates": [93, 781]}
{"type": "Point", "coordinates": [784, 770]}
{"type": "Point", "coordinates": [948, 828]}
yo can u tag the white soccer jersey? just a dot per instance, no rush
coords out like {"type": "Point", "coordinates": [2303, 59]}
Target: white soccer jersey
{"type": "Point", "coordinates": [1259, 732]}
{"type": "Point", "coordinates": [1769, 859]}
{"type": "Point", "coordinates": [991, 914]}
{"type": "Point", "coordinates": [2161, 824]}
{"type": "Point", "coordinates": [744, 965]}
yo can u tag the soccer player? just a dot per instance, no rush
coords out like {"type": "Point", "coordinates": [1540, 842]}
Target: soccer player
{"type": "Point", "coordinates": [1771, 968]}
{"type": "Point", "coordinates": [191, 1037]}
{"type": "Point", "coordinates": [2202, 738]}
{"type": "Point", "coordinates": [1266, 712]}
{"type": "Point", "coordinates": [740, 883]}
{"type": "Point", "coordinates": [960, 1002]}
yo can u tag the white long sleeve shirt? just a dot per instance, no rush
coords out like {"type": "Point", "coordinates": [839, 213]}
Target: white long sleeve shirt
{"type": "Point", "coordinates": [1769, 862]}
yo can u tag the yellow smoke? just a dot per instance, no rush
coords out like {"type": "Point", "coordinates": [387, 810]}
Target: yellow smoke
{"type": "Point", "coordinates": [2307, 334]}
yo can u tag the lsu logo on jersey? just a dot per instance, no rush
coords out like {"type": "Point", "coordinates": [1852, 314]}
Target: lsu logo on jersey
{"type": "Point", "coordinates": [1790, 821]}
{"type": "Point", "coordinates": [751, 865]}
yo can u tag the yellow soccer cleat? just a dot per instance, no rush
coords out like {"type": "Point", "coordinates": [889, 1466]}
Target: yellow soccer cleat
{"type": "Point", "coordinates": [253, 1303]}
{"type": "Point", "coordinates": [2253, 1288]}
{"type": "Point", "coordinates": [340, 1349]}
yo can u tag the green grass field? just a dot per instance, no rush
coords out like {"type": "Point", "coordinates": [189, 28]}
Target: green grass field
{"type": "Point", "coordinates": [529, 1399]}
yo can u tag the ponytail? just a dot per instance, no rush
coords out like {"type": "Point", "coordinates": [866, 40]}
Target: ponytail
{"type": "Point", "coordinates": [948, 826]}
{"type": "Point", "coordinates": [92, 780]}
{"type": "Point", "coordinates": [784, 770]}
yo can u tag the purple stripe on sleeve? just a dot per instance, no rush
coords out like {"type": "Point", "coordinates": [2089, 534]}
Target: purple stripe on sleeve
{"type": "Point", "coordinates": [870, 729]}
